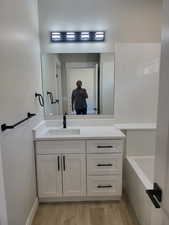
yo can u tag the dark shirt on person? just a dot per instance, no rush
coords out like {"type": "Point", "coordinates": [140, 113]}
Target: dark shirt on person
{"type": "Point", "coordinates": [79, 96]}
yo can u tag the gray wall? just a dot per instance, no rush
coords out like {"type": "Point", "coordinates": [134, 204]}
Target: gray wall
{"type": "Point", "coordinates": [19, 79]}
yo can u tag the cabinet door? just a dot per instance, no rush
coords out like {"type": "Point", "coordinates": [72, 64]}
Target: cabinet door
{"type": "Point", "coordinates": [74, 175]}
{"type": "Point", "coordinates": [49, 176]}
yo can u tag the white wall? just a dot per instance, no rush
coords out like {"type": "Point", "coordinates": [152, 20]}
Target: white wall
{"type": "Point", "coordinates": [124, 21]}
{"type": "Point", "coordinates": [136, 82]}
{"type": "Point", "coordinates": [19, 79]}
{"type": "Point", "coordinates": [3, 209]}
{"type": "Point", "coordinates": [107, 76]}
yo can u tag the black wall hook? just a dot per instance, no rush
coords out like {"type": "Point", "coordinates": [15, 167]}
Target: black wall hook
{"type": "Point", "coordinates": [40, 98]}
{"type": "Point", "coordinates": [7, 127]}
{"type": "Point", "coordinates": [51, 98]}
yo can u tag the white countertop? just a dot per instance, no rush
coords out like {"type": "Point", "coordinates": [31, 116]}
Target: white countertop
{"type": "Point", "coordinates": [136, 126]}
{"type": "Point", "coordinates": [85, 133]}
{"type": "Point", "coordinates": [97, 131]}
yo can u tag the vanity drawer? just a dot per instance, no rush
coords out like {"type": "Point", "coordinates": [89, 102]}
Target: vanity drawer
{"type": "Point", "coordinates": [53, 147]}
{"type": "Point", "coordinates": [104, 146]}
{"type": "Point", "coordinates": [104, 185]}
{"type": "Point", "coordinates": [104, 164]}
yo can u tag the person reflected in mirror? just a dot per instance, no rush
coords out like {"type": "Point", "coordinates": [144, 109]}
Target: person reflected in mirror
{"type": "Point", "coordinates": [79, 96]}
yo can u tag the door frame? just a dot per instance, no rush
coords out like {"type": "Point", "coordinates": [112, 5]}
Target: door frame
{"type": "Point", "coordinates": [59, 88]}
{"type": "Point", "coordinates": [87, 65]}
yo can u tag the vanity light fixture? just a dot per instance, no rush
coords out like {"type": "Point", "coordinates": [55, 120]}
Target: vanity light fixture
{"type": "Point", "coordinates": [77, 36]}
{"type": "Point", "coordinates": [56, 36]}
{"type": "Point", "coordinates": [70, 36]}
{"type": "Point", "coordinates": [85, 36]}
{"type": "Point", "coordinates": [99, 36]}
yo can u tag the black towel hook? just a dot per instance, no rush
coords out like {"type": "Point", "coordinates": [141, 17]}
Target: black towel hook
{"type": "Point", "coordinates": [51, 98]}
{"type": "Point", "coordinates": [40, 98]}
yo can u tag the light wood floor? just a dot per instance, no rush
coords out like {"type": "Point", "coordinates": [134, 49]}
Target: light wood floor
{"type": "Point", "coordinates": [87, 213]}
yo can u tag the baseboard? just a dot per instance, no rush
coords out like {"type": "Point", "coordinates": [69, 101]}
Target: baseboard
{"type": "Point", "coordinates": [80, 199]}
{"type": "Point", "coordinates": [32, 212]}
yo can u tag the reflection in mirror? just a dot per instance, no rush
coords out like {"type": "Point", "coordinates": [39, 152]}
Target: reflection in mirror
{"type": "Point", "coordinates": [78, 83]}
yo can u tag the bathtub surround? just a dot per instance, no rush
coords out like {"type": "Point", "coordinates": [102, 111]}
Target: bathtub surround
{"type": "Point", "coordinates": [140, 142]}
{"type": "Point", "coordinates": [140, 138]}
{"type": "Point", "coordinates": [20, 79]}
{"type": "Point", "coordinates": [136, 82]}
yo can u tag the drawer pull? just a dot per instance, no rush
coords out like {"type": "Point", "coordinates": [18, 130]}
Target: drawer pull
{"type": "Point", "coordinates": [104, 186]}
{"type": "Point", "coordinates": [108, 164]}
{"type": "Point", "coordinates": [104, 146]}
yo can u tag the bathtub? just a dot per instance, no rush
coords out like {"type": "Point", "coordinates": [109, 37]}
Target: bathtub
{"type": "Point", "coordinates": [139, 176]}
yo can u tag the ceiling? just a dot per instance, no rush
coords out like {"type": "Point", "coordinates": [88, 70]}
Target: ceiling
{"type": "Point", "coordinates": [123, 20]}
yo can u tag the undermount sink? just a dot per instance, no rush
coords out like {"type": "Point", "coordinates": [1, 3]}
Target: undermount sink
{"type": "Point", "coordinates": [63, 131]}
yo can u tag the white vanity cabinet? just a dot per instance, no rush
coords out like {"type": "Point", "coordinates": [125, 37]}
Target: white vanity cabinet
{"type": "Point", "coordinates": [49, 176]}
{"type": "Point", "coordinates": [104, 168]}
{"type": "Point", "coordinates": [79, 169]}
{"type": "Point", "coordinates": [74, 175]}
{"type": "Point", "coordinates": [61, 169]}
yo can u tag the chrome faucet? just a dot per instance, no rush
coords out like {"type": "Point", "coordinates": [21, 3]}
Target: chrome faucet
{"type": "Point", "coordinates": [64, 120]}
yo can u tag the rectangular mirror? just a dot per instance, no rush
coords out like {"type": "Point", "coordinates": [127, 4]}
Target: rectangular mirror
{"type": "Point", "coordinates": [78, 84]}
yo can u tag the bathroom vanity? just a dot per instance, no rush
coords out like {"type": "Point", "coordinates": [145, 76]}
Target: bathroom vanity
{"type": "Point", "coordinates": [79, 164]}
